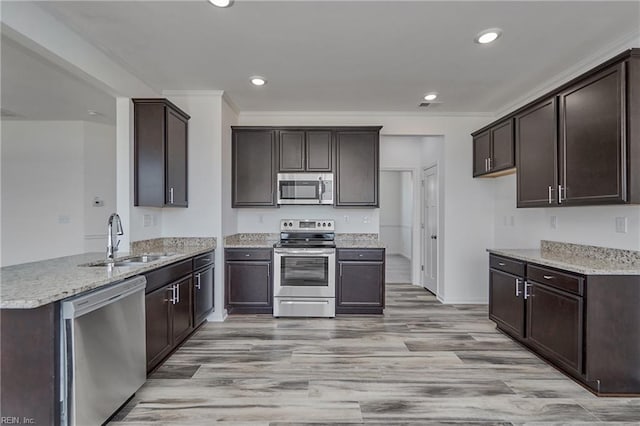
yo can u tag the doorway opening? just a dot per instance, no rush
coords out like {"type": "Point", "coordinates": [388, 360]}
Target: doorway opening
{"type": "Point", "coordinates": [396, 223]}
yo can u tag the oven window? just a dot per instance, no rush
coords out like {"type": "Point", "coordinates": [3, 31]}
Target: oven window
{"type": "Point", "coordinates": [304, 271]}
{"type": "Point", "coordinates": [299, 190]}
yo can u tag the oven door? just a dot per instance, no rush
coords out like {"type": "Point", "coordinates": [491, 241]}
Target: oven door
{"type": "Point", "coordinates": [302, 272]}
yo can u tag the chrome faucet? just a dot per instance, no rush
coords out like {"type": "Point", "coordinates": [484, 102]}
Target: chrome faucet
{"type": "Point", "coordinates": [112, 241]}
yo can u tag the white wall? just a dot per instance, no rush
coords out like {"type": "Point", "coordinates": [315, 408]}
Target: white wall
{"type": "Point", "coordinates": [51, 171]}
{"type": "Point", "coordinates": [99, 182]}
{"type": "Point", "coordinates": [581, 225]}
{"type": "Point", "coordinates": [396, 211]}
{"type": "Point", "coordinates": [467, 203]}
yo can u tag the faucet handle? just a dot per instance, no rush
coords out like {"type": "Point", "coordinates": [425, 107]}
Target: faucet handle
{"type": "Point", "coordinates": [117, 245]}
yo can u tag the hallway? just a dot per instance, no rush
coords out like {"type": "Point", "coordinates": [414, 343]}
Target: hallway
{"type": "Point", "coordinates": [398, 269]}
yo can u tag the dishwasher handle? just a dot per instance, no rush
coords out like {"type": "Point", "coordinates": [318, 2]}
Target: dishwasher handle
{"type": "Point", "coordinates": [84, 304]}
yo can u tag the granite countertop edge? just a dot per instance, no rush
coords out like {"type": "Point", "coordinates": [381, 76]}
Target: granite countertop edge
{"type": "Point", "coordinates": [87, 278]}
{"type": "Point", "coordinates": [580, 265]}
{"type": "Point", "coordinates": [267, 240]}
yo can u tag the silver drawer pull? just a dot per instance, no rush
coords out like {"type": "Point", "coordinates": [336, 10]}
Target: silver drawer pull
{"type": "Point", "coordinates": [548, 277]}
{"type": "Point", "coordinates": [247, 255]}
{"type": "Point", "coordinates": [502, 264]}
{"type": "Point", "coordinates": [360, 255]}
{"type": "Point", "coordinates": [518, 287]}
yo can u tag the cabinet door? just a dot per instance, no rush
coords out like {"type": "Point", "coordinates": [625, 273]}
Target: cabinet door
{"type": "Point", "coordinates": [183, 310]}
{"type": "Point", "coordinates": [248, 287]}
{"type": "Point", "coordinates": [555, 325]}
{"type": "Point", "coordinates": [536, 154]}
{"type": "Point", "coordinates": [149, 153]}
{"type": "Point", "coordinates": [158, 325]}
{"type": "Point", "coordinates": [319, 151]}
{"type": "Point", "coordinates": [481, 153]}
{"type": "Point", "coordinates": [506, 302]}
{"type": "Point", "coordinates": [357, 168]}
{"type": "Point", "coordinates": [203, 294]}
{"type": "Point", "coordinates": [592, 161]}
{"type": "Point", "coordinates": [292, 151]}
{"type": "Point", "coordinates": [177, 160]}
{"type": "Point", "coordinates": [502, 147]}
{"type": "Point", "coordinates": [360, 284]}
{"type": "Point", "coordinates": [253, 164]}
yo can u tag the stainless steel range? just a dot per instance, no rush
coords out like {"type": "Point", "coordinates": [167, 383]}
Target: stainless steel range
{"type": "Point", "coordinates": [304, 267]}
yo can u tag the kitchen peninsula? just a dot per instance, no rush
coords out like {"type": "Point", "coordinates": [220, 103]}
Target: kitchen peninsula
{"type": "Point", "coordinates": [31, 296]}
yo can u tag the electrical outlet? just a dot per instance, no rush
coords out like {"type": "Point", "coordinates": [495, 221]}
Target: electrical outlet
{"type": "Point", "coordinates": [621, 225]}
{"type": "Point", "coordinates": [553, 222]}
{"type": "Point", "coordinates": [346, 218]}
{"type": "Point", "coordinates": [365, 219]}
{"type": "Point", "coordinates": [147, 220]}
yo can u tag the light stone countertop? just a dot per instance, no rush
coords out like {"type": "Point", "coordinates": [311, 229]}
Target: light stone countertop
{"type": "Point", "coordinates": [582, 259]}
{"type": "Point", "coordinates": [266, 240]}
{"type": "Point", "coordinates": [34, 284]}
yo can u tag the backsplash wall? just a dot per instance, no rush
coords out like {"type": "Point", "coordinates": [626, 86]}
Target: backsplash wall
{"type": "Point", "coordinates": [591, 225]}
{"type": "Point", "coordinates": [365, 220]}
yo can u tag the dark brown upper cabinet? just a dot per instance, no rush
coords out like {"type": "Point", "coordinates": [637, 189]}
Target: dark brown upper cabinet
{"type": "Point", "coordinates": [592, 163]}
{"type": "Point", "coordinates": [253, 168]}
{"type": "Point", "coordinates": [578, 144]}
{"type": "Point", "coordinates": [493, 150]}
{"type": "Point", "coordinates": [305, 151]}
{"type": "Point", "coordinates": [160, 154]}
{"type": "Point", "coordinates": [357, 167]}
{"type": "Point", "coordinates": [536, 145]}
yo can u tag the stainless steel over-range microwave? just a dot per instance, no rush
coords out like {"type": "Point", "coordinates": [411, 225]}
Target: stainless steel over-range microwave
{"type": "Point", "coordinates": [305, 188]}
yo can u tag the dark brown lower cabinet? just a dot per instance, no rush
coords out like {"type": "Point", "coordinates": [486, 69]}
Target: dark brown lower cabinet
{"type": "Point", "coordinates": [248, 281]}
{"type": "Point", "coordinates": [158, 325]}
{"type": "Point", "coordinates": [506, 304]}
{"type": "Point", "coordinates": [169, 319]}
{"type": "Point", "coordinates": [556, 325]}
{"type": "Point", "coordinates": [586, 325]}
{"type": "Point", "coordinates": [360, 281]}
{"type": "Point", "coordinates": [203, 294]}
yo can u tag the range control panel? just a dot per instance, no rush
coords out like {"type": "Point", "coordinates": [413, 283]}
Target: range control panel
{"type": "Point", "coordinates": [307, 225]}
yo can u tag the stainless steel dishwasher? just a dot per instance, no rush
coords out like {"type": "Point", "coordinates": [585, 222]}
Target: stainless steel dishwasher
{"type": "Point", "coordinates": [103, 352]}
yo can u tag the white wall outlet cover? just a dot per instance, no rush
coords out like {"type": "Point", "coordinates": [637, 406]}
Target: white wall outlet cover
{"type": "Point", "coordinates": [365, 219]}
{"type": "Point", "coordinates": [346, 218]}
{"type": "Point", "coordinates": [621, 225]}
{"type": "Point", "coordinates": [553, 222]}
{"type": "Point", "coordinates": [147, 220]}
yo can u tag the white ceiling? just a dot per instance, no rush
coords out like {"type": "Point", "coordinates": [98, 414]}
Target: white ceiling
{"type": "Point", "coordinates": [351, 55]}
{"type": "Point", "coordinates": [33, 88]}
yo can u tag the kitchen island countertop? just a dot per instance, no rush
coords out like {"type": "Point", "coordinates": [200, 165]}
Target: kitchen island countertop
{"type": "Point", "coordinates": [34, 284]}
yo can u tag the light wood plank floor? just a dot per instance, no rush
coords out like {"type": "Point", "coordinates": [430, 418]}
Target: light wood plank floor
{"type": "Point", "coordinates": [397, 269]}
{"type": "Point", "coordinates": [421, 363]}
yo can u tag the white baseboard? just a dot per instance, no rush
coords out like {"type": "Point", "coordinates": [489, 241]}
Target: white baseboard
{"type": "Point", "coordinates": [217, 316]}
{"type": "Point", "coordinates": [471, 301]}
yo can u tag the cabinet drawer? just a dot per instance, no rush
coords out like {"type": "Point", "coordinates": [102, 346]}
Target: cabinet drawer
{"type": "Point", "coordinates": [361, 254]}
{"type": "Point", "coordinates": [551, 277]}
{"type": "Point", "coordinates": [162, 276]}
{"type": "Point", "coordinates": [504, 264]}
{"type": "Point", "coordinates": [248, 254]}
{"type": "Point", "coordinates": [203, 260]}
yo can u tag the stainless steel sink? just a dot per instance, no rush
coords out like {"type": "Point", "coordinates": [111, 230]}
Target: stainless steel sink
{"type": "Point", "coordinates": [131, 261]}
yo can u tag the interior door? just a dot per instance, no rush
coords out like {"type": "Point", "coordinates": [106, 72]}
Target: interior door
{"type": "Point", "coordinates": [430, 229]}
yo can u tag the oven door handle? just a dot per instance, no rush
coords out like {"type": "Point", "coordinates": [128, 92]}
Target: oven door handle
{"type": "Point", "coordinates": [305, 252]}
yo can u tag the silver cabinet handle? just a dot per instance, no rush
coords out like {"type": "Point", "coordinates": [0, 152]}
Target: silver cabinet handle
{"type": "Point", "coordinates": [489, 160]}
{"type": "Point", "coordinates": [198, 281]}
{"type": "Point", "coordinates": [560, 194]}
{"type": "Point", "coordinates": [247, 255]}
{"type": "Point", "coordinates": [178, 292]}
{"type": "Point", "coordinates": [486, 165]}
{"type": "Point", "coordinates": [170, 195]}
{"type": "Point", "coordinates": [173, 295]}
{"type": "Point", "coordinates": [548, 277]}
{"type": "Point", "coordinates": [502, 264]}
{"type": "Point", "coordinates": [526, 292]}
{"type": "Point", "coordinates": [518, 287]}
{"type": "Point", "coordinates": [360, 255]}
{"type": "Point", "coordinates": [550, 191]}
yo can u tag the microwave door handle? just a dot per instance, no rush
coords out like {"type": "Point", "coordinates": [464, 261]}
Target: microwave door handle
{"type": "Point", "coordinates": [321, 191]}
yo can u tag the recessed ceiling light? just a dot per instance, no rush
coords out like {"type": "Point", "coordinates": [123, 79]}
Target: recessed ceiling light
{"type": "Point", "coordinates": [221, 3]}
{"type": "Point", "coordinates": [430, 96]}
{"type": "Point", "coordinates": [257, 80]}
{"type": "Point", "coordinates": [488, 36]}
